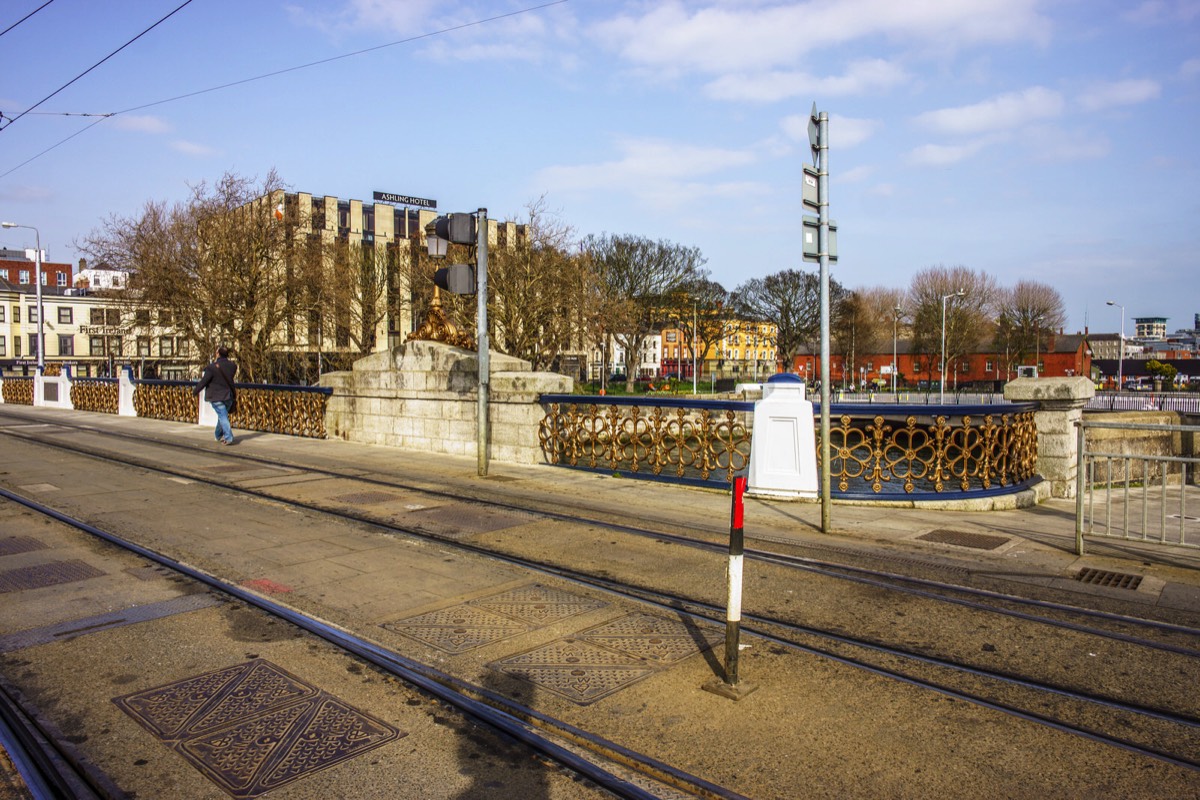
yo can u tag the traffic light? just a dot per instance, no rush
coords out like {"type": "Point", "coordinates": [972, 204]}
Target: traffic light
{"type": "Point", "coordinates": [456, 278]}
{"type": "Point", "coordinates": [456, 228]}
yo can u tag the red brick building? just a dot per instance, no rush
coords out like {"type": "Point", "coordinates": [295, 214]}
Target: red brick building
{"type": "Point", "coordinates": [20, 272]}
{"type": "Point", "coordinates": [1063, 356]}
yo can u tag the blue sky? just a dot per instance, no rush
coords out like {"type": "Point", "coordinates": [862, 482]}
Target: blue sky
{"type": "Point", "coordinates": [1054, 140]}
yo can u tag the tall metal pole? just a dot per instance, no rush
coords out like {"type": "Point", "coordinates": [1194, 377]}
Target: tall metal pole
{"type": "Point", "coordinates": [37, 279]}
{"type": "Point", "coordinates": [481, 337]}
{"type": "Point", "coordinates": [695, 333]}
{"type": "Point", "coordinates": [823, 255]}
{"type": "Point", "coordinates": [942, 396]}
{"type": "Point", "coordinates": [1121, 352]}
{"type": "Point", "coordinates": [895, 327]}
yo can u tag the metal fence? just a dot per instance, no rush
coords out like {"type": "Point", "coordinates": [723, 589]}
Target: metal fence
{"type": "Point", "coordinates": [1145, 496]}
{"type": "Point", "coordinates": [1184, 402]}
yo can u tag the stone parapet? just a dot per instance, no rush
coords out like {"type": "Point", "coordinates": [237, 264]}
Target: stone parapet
{"type": "Point", "coordinates": [1060, 406]}
{"type": "Point", "coordinates": [424, 396]}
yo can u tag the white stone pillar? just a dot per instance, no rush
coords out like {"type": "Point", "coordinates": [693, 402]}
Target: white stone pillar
{"type": "Point", "coordinates": [783, 444]}
{"type": "Point", "coordinates": [1060, 405]}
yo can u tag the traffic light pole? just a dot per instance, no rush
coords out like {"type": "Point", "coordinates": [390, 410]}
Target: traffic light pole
{"type": "Point", "coordinates": [481, 338]}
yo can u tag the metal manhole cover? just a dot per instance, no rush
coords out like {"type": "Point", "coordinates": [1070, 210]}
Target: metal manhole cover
{"type": "Point", "coordinates": [458, 628]}
{"type": "Point", "coordinates": [538, 605]}
{"type": "Point", "coordinates": [1114, 580]}
{"type": "Point", "coordinates": [365, 498]}
{"type": "Point", "coordinates": [579, 671]}
{"type": "Point", "coordinates": [50, 574]}
{"type": "Point", "coordinates": [457, 520]}
{"type": "Point", "coordinates": [254, 727]}
{"type": "Point", "coordinates": [978, 541]}
{"type": "Point", "coordinates": [20, 544]}
{"type": "Point", "coordinates": [663, 641]}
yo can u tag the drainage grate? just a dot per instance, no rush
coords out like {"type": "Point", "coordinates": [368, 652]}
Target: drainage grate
{"type": "Point", "coordinates": [662, 641]}
{"type": "Point", "coordinates": [538, 605]}
{"type": "Point", "coordinates": [1114, 580]}
{"type": "Point", "coordinates": [254, 727]}
{"type": "Point", "coordinates": [19, 544]}
{"type": "Point", "coordinates": [42, 575]}
{"type": "Point", "coordinates": [458, 628]}
{"type": "Point", "coordinates": [579, 671]}
{"type": "Point", "coordinates": [978, 541]}
{"type": "Point", "coordinates": [365, 498]}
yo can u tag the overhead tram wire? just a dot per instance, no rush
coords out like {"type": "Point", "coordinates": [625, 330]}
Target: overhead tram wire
{"type": "Point", "coordinates": [27, 16]}
{"type": "Point", "coordinates": [409, 40]}
{"type": "Point", "coordinates": [93, 66]}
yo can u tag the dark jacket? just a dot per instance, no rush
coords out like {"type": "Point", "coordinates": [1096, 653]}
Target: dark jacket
{"type": "Point", "coordinates": [219, 384]}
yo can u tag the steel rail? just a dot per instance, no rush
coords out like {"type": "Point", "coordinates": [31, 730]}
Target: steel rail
{"type": "Point", "coordinates": [439, 684]}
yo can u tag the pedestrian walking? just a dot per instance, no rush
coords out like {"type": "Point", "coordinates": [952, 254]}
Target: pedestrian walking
{"type": "Point", "coordinates": [217, 378]}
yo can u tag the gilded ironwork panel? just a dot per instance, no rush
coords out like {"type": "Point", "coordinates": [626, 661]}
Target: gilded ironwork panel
{"type": "Point", "coordinates": [102, 396]}
{"type": "Point", "coordinates": [174, 402]}
{"type": "Point", "coordinates": [875, 453]}
{"type": "Point", "coordinates": [680, 442]}
{"type": "Point", "coordinates": [18, 391]}
{"type": "Point", "coordinates": [280, 410]}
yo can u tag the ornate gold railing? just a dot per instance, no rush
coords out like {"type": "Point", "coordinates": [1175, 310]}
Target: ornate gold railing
{"type": "Point", "coordinates": [18, 391]}
{"type": "Point", "coordinates": [690, 442]}
{"type": "Point", "coordinates": [291, 410]}
{"type": "Point", "coordinates": [101, 395]}
{"type": "Point", "coordinates": [905, 451]}
{"type": "Point", "coordinates": [281, 409]}
{"type": "Point", "coordinates": [911, 453]}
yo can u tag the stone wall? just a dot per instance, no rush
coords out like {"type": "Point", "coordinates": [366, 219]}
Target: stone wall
{"type": "Point", "coordinates": [1060, 405]}
{"type": "Point", "coordinates": [424, 396]}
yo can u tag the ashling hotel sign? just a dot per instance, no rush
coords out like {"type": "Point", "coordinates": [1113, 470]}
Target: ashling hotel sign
{"type": "Point", "coordinates": [404, 200]}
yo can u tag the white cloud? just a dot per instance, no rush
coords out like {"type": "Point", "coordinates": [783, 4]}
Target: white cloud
{"type": "Point", "coordinates": [1120, 93]}
{"type": "Point", "coordinates": [1157, 12]}
{"type": "Point", "coordinates": [193, 148]}
{"type": "Point", "coordinates": [141, 124]}
{"type": "Point", "coordinates": [1190, 68]}
{"type": "Point", "coordinates": [1003, 112]}
{"type": "Point", "coordinates": [661, 173]}
{"type": "Point", "coordinates": [765, 87]}
{"type": "Point", "coordinates": [844, 132]}
{"type": "Point", "coordinates": [725, 38]}
{"type": "Point", "coordinates": [943, 155]}
{"type": "Point", "coordinates": [856, 174]}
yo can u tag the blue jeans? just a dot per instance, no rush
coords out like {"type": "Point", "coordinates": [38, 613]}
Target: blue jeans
{"type": "Point", "coordinates": [222, 432]}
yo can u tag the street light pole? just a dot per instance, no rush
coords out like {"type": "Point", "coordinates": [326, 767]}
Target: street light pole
{"type": "Point", "coordinates": [895, 325]}
{"type": "Point", "coordinates": [942, 395]}
{"type": "Point", "coordinates": [37, 279]}
{"type": "Point", "coordinates": [1121, 352]}
{"type": "Point", "coordinates": [941, 398]}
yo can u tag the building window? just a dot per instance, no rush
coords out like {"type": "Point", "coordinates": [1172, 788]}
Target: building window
{"type": "Point", "coordinates": [96, 345]}
{"type": "Point", "coordinates": [33, 344]}
{"type": "Point", "coordinates": [65, 315]}
{"type": "Point", "coordinates": [1, 313]}
{"type": "Point", "coordinates": [96, 316]}
{"type": "Point", "coordinates": [66, 345]}
{"type": "Point", "coordinates": [60, 278]}
{"type": "Point", "coordinates": [16, 313]}
{"type": "Point", "coordinates": [33, 314]}
{"type": "Point", "coordinates": [142, 317]}
{"type": "Point", "coordinates": [143, 346]}
{"type": "Point", "coordinates": [164, 318]}
{"type": "Point", "coordinates": [4, 273]}
{"type": "Point", "coordinates": [166, 347]}
{"type": "Point", "coordinates": [16, 347]}
{"type": "Point", "coordinates": [114, 346]}
{"type": "Point", "coordinates": [3, 346]}
{"type": "Point", "coordinates": [181, 347]}
{"type": "Point", "coordinates": [989, 366]}
{"type": "Point", "coordinates": [112, 317]}
{"type": "Point", "coordinates": [23, 276]}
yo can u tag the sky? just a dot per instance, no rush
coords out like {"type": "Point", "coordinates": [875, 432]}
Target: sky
{"type": "Point", "coordinates": [1047, 140]}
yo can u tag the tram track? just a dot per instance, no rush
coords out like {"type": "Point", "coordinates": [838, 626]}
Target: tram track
{"type": "Point", "coordinates": [788, 633]}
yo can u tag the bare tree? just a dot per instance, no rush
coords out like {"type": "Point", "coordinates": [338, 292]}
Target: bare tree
{"type": "Point", "coordinates": [1025, 314]}
{"type": "Point", "coordinates": [790, 299]}
{"type": "Point", "coordinates": [212, 263]}
{"type": "Point", "coordinates": [704, 312]}
{"type": "Point", "coordinates": [968, 317]}
{"type": "Point", "coordinates": [638, 274]}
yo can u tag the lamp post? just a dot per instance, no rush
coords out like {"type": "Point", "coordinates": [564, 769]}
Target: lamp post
{"type": "Point", "coordinates": [37, 279]}
{"type": "Point", "coordinates": [895, 324]}
{"type": "Point", "coordinates": [1037, 347]}
{"type": "Point", "coordinates": [945, 297]}
{"type": "Point", "coordinates": [1121, 352]}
